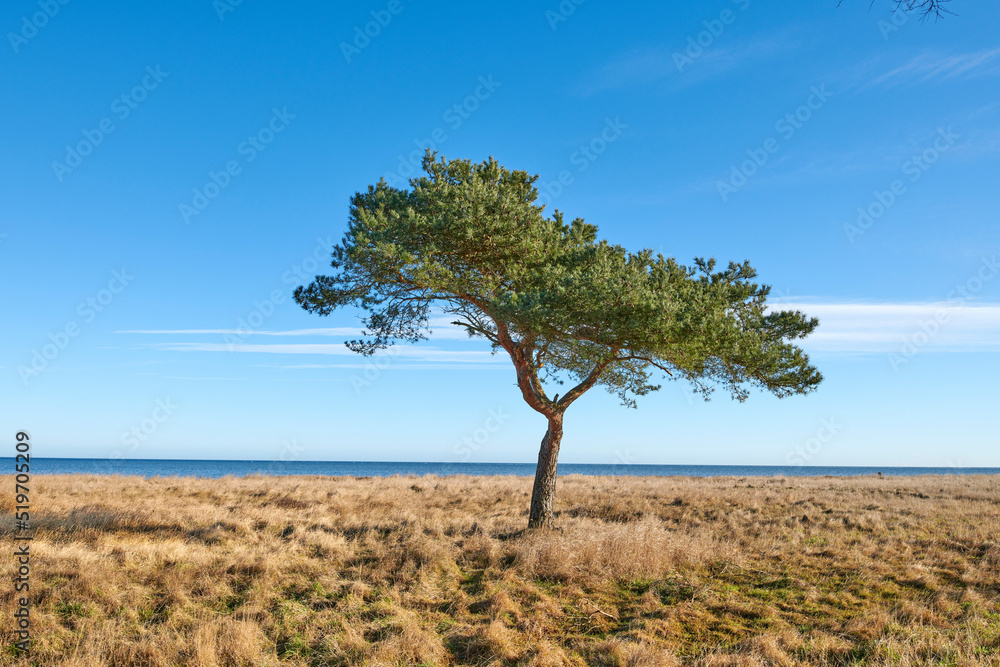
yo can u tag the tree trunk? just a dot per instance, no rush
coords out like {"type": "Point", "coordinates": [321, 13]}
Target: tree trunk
{"type": "Point", "coordinates": [544, 491]}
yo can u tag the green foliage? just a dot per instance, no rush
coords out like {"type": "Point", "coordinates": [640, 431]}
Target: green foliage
{"type": "Point", "coordinates": [471, 240]}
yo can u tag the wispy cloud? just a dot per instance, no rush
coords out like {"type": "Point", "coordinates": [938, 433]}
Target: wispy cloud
{"type": "Point", "coordinates": [658, 65]}
{"type": "Point", "coordinates": [851, 328]}
{"type": "Point", "coordinates": [934, 66]}
{"type": "Point", "coordinates": [336, 331]}
{"type": "Point", "coordinates": [441, 328]}
{"type": "Point", "coordinates": [873, 328]}
{"type": "Point", "coordinates": [409, 366]}
{"type": "Point", "coordinates": [415, 353]}
{"type": "Point", "coordinates": [185, 377]}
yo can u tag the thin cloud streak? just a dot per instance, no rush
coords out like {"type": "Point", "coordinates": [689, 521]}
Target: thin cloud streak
{"type": "Point", "coordinates": [656, 64]}
{"type": "Point", "coordinates": [930, 66]}
{"type": "Point", "coordinates": [870, 328]}
{"type": "Point", "coordinates": [337, 331]}
{"type": "Point", "coordinates": [440, 329]}
{"type": "Point", "coordinates": [409, 366]}
{"type": "Point", "coordinates": [416, 353]}
{"type": "Point", "coordinates": [853, 328]}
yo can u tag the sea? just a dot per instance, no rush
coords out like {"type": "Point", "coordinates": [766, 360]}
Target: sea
{"type": "Point", "coordinates": [216, 469]}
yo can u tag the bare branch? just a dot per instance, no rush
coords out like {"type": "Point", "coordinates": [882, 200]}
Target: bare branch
{"type": "Point", "coordinates": [935, 8]}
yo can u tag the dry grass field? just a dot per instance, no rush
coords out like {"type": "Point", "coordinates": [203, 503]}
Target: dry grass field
{"type": "Point", "coordinates": [437, 571]}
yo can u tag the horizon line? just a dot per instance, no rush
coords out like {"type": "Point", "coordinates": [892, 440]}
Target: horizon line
{"type": "Point", "coordinates": [526, 463]}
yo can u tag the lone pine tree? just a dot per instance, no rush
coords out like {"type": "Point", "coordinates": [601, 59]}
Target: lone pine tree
{"type": "Point", "coordinates": [471, 240]}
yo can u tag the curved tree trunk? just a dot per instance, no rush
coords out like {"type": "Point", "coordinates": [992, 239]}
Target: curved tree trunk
{"type": "Point", "coordinates": [544, 492]}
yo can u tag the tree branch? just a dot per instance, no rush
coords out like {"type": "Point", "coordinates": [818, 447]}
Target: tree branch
{"type": "Point", "coordinates": [578, 391]}
{"type": "Point", "coordinates": [648, 361]}
{"type": "Point", "coordinates": [533, 393]}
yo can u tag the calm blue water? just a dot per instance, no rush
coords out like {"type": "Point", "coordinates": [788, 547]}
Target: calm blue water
{"type": "Point", "coordinates": [184, 468]}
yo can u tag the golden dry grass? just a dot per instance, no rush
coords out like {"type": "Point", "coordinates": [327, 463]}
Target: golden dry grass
{"type": "Point", "coordinates": [436, 571]}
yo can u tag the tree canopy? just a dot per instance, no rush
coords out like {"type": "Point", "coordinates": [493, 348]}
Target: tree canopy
{"type": "Point", "coordinates": [470, 240]}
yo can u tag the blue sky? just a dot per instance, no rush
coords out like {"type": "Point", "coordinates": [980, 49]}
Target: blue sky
{"type": "Point", "coordinates": [171, 172]}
